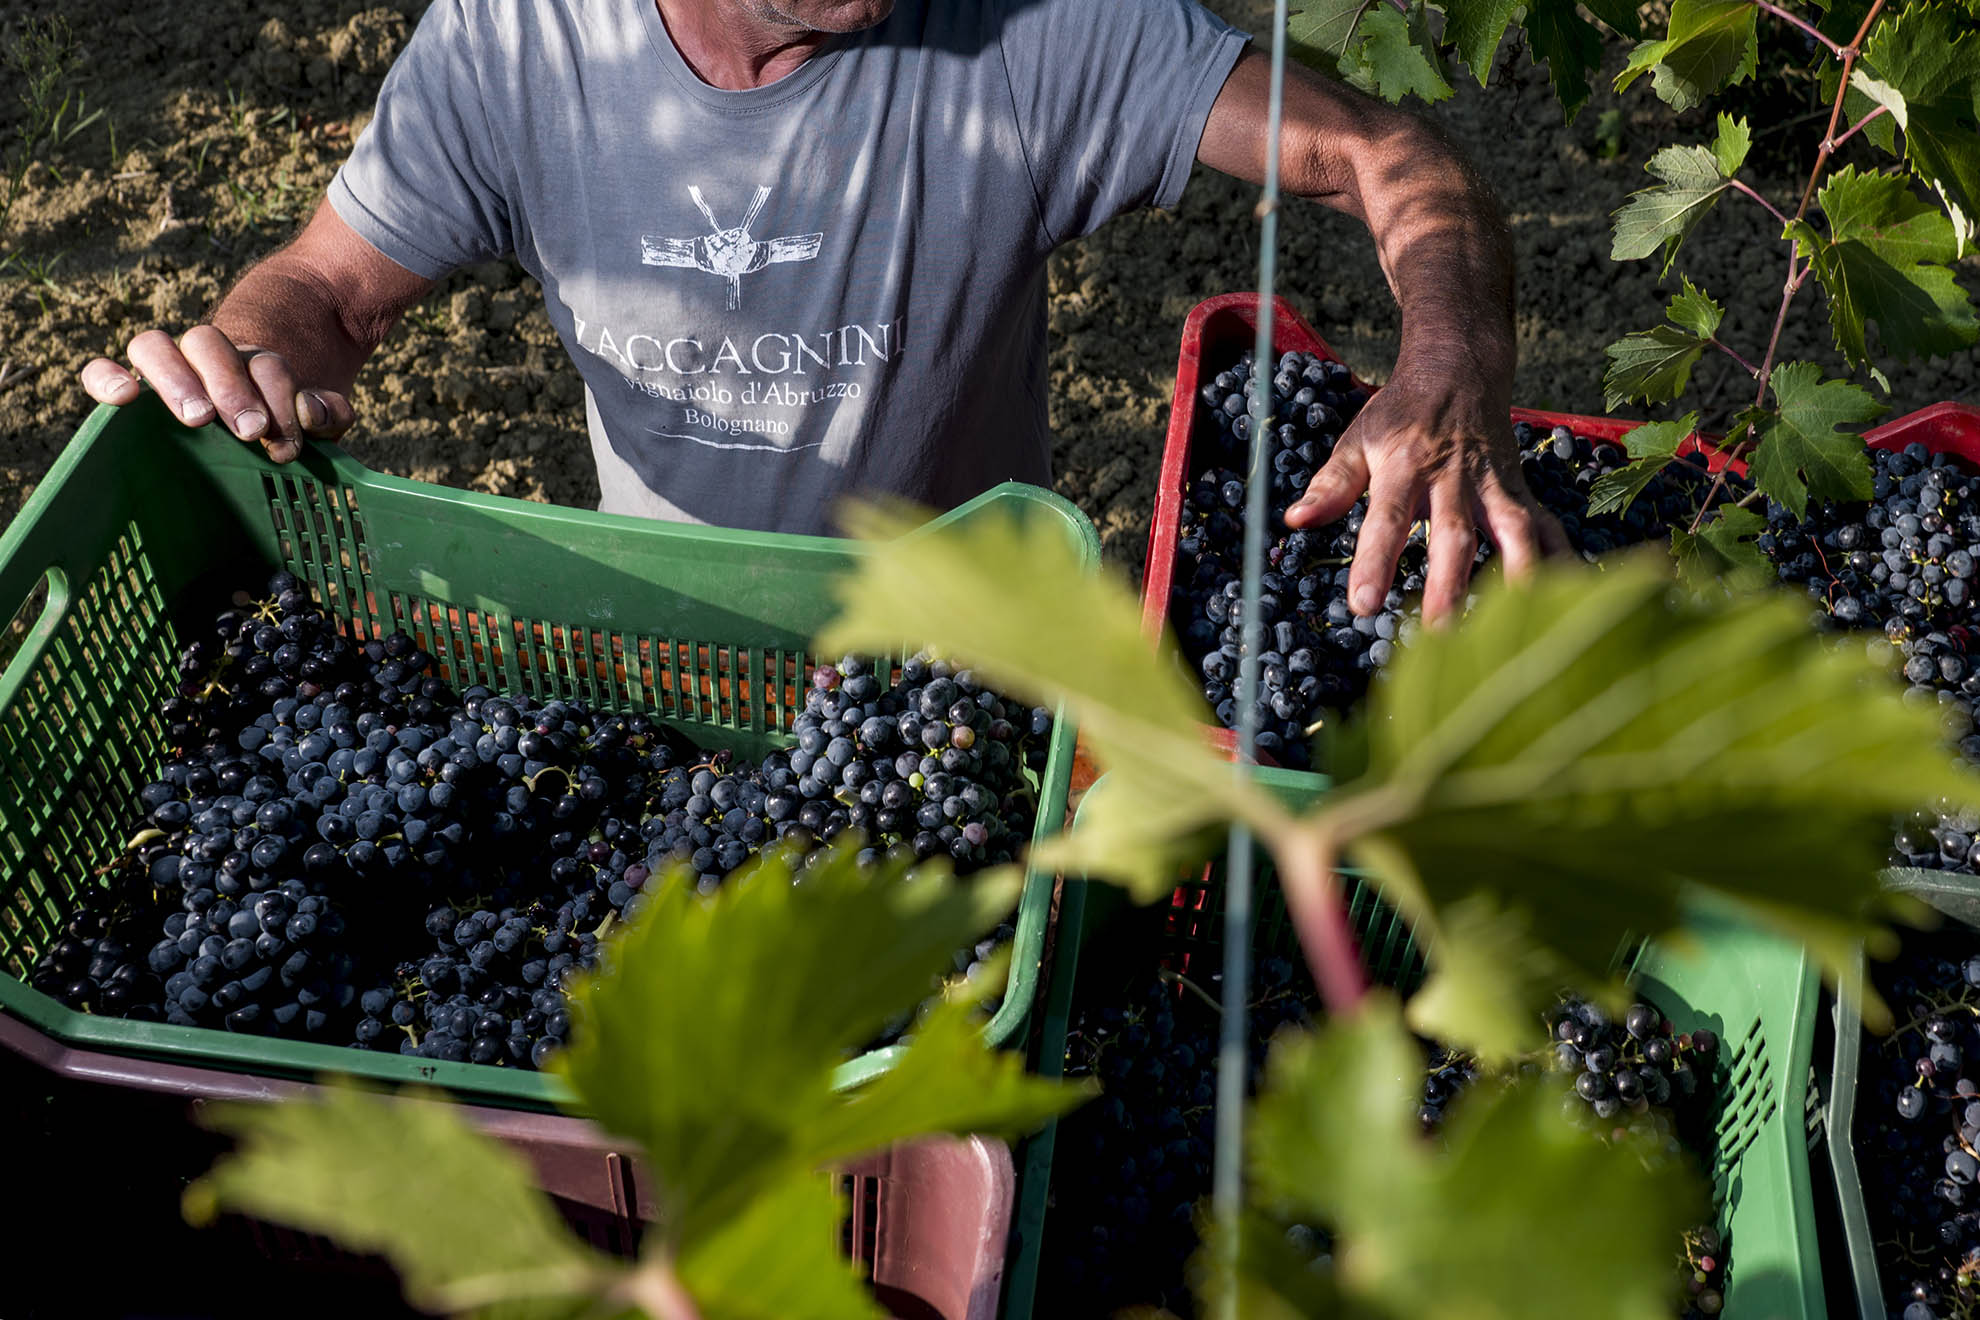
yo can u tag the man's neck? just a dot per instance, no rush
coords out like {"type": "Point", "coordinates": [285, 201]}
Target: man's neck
{"type": "Point", "coordinates": [737, 44]}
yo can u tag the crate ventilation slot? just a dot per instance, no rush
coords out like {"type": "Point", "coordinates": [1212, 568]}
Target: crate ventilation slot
{"type": "Point", "coordinates": [1750, 1102]}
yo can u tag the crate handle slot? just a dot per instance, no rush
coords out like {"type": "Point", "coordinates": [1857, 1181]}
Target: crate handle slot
{"type": "Point", "coordinates": [55, 584]}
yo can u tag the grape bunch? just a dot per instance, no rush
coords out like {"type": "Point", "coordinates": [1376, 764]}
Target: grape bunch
{"type": "Point", "coordinates": [934, 766]}
{"type": "Point", "coordinates": [1905, 564]}
{"type": "Point", "coordinates": [1918, 1130]}
{"type": "Point", "coordinates": [1633, 1065]}
{"type": "Point", "coordinates": [1130, 1168]}
{"type": "Point", "coordinates": [1561, 469]}
{"type": "Point", "coordinates": [1637, 1075]}
{"type": "Point", "coordinates": [1318, 656]}
{"type": "Point", "coordinates": [1450, 1071]}
{"type": "Point", "coordinates": [340, 848]}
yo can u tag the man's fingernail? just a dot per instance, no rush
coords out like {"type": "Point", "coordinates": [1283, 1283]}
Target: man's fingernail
{"type": "Point", "coordinates": [249, 423]}
{"type": "Point", "coordinates": [196, 412]}
{"type": "Point", "coordinates": [1366, 599]}
{"type": "Point", "coordinates": [310, 411]}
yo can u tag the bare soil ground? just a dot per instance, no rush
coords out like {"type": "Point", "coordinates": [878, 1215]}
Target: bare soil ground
{"type": "Point", "coordinates": [223, 123]}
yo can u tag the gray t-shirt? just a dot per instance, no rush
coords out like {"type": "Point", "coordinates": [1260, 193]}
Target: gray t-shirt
{"type": "Point", "coordinates": [831, 284]}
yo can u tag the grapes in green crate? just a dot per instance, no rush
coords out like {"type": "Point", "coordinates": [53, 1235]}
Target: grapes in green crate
{"type": "Point", "coordinates": [343, 849]}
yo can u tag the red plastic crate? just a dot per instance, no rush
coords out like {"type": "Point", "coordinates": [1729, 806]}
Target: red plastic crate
{"type": "Point", "coordinates": [926, 1222]}
{"type": "Point", "coordinates": [1952, 428]}
{"type": "Point", "coordinates": [1228, 323]}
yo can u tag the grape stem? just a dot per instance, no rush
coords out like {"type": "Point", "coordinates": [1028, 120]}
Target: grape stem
{"type": "Point", "coordinates": [1857, 127]}
{"type": "Point", "coordinates": [1177, 978]}
{"type": "Point", "coordinates": [1732, 353]}
{"type": "Point", "coordinates": [131, 851]}
{"type": "Point", "coordinates": [531, 781]}
{"type": "Point", "coordinates": [1772, 210]}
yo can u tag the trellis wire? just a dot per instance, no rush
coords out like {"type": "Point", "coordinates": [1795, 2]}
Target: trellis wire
{"type": "Point", "coordinates": [1233, 1053]}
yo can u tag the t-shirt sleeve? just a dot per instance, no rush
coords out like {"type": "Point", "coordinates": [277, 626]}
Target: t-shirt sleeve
{"type": "Point", "coordinates": [423, 185]}
{"type": "Point", "coordinates": [1111, 97]}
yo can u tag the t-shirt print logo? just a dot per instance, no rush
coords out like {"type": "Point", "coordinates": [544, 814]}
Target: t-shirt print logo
{"type": "Point", "coordinates": [730, 253]}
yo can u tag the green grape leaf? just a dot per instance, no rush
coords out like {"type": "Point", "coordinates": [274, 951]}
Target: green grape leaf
{"type": "Point", "coordinates": [1475, 28]}
{"type": "Point", "coordinates": [1391, 64]}
{"type": "Point", "coordinates": [1114, 839]}
{"type": "Point", "coordinates": [778, 1258]}
{"type": "Point", "coordinates": [1490, 971]}
{"type": "Point", "coordinates": [1320, 34]}
{"type": "Point", "coordinates": [1570, 44]}
{"type": "Point", "coordinates": [1882, 131]}
{"type": "Point", "coordinates": [1345, 1099]}
{"type": "Point", "coordinates": [945, 1081]}
{"type": "Point", "coordinates": [1927, 73]}
{"type": "Point", "coordinates": [1722, 555]}
{"type": "Point", "coordinates": [1275, 1281]}
{"type": "Point", "coordinates": [1880, 263]}
{"type": "Point", "coordinates": [1693, 309]}
{"type": "Point", "coordinates": [1652, 365]}
{"type": "Point", "coordinates": [1663, 215]}
{"type": "Point", "coordinates": [1596, 723]}
{"type": "Point", "coordinates": [1928, 52]}
{"type": "Point", "coordinates": [1659, 439]}
{"type": "Point", "coordinates": [807, 974]}
{"type": "Point", "coordinates": [1655, 365]}
{"type": "Point", "coordinates": [1619, 15]}
{"type": "Point", "coordinates": [1652, 446]}
{"type": "Point", "coordinates": [1709, 44]}
{"type": "Point", "coordinates": [470, 1233]}
{"type": "Point", "coordinates": [1801, 453]}
{"type": "Point", "coordinates": [1024, 612]}
{"type": "Point", "coordinates": [802, 971]}
{"type": "Point", "coordinates": [1417, 1223]}
{"type": "Point", "coordinates": [1729, 148]}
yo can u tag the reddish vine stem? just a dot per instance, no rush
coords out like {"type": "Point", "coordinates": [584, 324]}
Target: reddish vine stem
{"type": "Point", "coordinates": [1857, 127]}
{"type": "Point", "coordinates": [1829, 140]}
{"type": "Point", "coordinates": [1801, 23]}
{"type": "Point", "coordinates": [1313, 901]}
{"type": "Point", "coordinates": [1734, 354]}
{"type": "Point", "coordinates": [1796, 276]}
{"type": "Point", "coordinates": [1744, 445]}
{"type": "Point", "coordinates": [1754, 193]}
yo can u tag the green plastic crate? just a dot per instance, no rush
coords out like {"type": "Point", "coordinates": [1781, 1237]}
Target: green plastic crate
{"type": "Point", "coordinates": [705, 629]}
{"type": "Point", "coordinates": [1756, 991]}
{"type": "Point", "coordinates": [1957, 898]}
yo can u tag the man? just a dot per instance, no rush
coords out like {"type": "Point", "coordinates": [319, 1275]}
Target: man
{"type": "Point", "coordinates": [797, 248]}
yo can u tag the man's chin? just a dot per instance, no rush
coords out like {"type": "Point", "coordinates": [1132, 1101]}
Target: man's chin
{"type": "Point", "coordinates": [838, 16]}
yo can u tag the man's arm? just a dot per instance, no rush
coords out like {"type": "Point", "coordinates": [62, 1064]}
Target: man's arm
{"type": "Point", "coordinates": [277, 361]}
{"type": "Point", "coordinates": [1437, 439]}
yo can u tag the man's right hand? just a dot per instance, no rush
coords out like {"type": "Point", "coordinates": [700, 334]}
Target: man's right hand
{"type": "Point", "coordinates": [203, 375]}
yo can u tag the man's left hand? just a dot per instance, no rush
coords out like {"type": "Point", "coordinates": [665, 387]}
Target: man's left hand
{"type": "Point", "coordinates": [1427, 446]}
